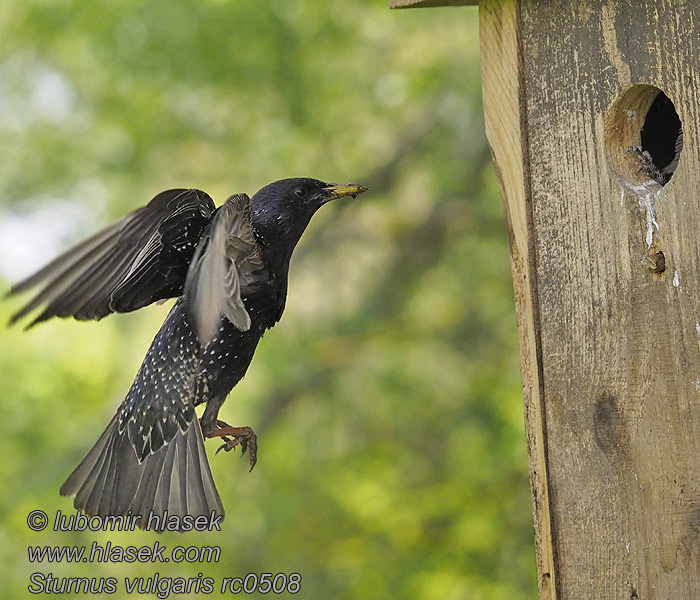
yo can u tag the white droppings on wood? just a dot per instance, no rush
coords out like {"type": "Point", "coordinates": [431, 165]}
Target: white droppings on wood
{"type": "Point", "coordinates": [646, 193]}
{"type": "Point", "coordinates": [646, 202]}
{"type": "Point", "coordinates": [676, 279]}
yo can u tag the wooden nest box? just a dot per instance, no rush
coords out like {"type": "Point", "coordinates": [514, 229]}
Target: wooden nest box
{"type": "Point", "coordinates": [592, 113]}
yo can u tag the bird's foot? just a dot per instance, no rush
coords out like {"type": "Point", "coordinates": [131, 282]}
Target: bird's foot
{"type": "Point", "coordinates": [237, 436]}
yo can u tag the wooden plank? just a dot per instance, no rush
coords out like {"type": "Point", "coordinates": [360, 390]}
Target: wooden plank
{"type": "Point", "coordinates": [610, 350]}
{"type": "Point", "coordinates": [430, 3]}
{"type": "Point", "coordinates": [502, 85]}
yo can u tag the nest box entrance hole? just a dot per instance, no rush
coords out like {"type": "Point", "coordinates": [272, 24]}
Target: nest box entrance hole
{"type": "Point", "coordinates": [643, 138]}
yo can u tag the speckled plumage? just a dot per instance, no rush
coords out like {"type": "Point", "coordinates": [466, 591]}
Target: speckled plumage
{"type": "Point", "coordinates": [231, 290]}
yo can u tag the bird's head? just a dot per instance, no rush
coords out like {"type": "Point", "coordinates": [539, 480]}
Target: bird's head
{"type": "Point", "coordinates": [282, 210]}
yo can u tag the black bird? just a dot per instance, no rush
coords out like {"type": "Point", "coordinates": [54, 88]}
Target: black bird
{"type": "Point", "coordinates": [228, 268]}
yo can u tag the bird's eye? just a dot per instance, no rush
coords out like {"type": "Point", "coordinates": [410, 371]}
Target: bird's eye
{"type": "Point", "coordinates": [300, 192]}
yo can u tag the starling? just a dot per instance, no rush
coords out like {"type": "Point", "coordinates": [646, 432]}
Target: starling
{"type": "Point", "coordinates": [228, 269]}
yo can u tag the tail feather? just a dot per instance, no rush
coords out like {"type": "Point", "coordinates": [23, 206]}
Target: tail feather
{"type": "Point", "coordinates": [82, 480]}
{"type": "Point", "coordinates": [198, 468]}
{"type": "Point", "coordinates": [176, 478]}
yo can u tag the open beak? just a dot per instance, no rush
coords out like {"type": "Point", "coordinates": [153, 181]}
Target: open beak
{"type": "Point", "coordinates": [335, 190]}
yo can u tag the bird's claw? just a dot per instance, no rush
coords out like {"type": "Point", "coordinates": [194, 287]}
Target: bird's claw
{"type": "Point", "coordinates": [244, 437]}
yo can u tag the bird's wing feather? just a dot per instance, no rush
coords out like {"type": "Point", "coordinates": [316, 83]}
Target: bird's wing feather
{"type": "Point", "coordinates": [138, 260]}
{"type": "Point", "coordinates": [226, 260]}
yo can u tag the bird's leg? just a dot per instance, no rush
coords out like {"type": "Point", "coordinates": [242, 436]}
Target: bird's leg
{"type": "Point", "coordinates": [209, 419]}
{"type": "Point", "coordinates": [234, 436]}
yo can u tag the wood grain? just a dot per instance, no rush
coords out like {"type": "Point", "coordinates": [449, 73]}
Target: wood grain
{"type": "Point", "coordinates": [610, 351]}
{"type": "Point", "coordinates": [502, 85]}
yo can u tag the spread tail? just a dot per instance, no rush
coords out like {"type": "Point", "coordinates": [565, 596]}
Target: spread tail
{"type": "Point", "coordinates": [176, 478]}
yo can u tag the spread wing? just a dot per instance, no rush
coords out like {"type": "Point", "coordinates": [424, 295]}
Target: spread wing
{"type": "Point", "coordinates": [227, 260]}
{"type": "Point", "coordinates": [138, 260]}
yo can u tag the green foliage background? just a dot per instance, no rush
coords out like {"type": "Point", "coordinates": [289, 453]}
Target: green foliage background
{"type": "Point", "coordinates": [387, 402]}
